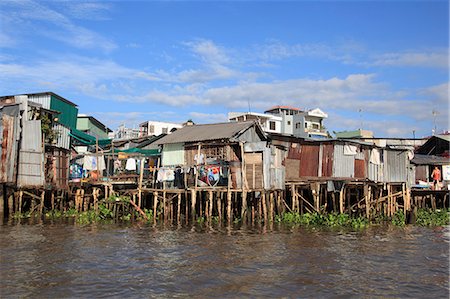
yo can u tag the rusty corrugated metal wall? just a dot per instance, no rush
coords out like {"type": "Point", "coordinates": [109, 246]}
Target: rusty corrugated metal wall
{"type": "Point", "coordinates": [309, 160]}
{"type": "Point", "coordinates": [327, 160]}
{"type": "Point", "coordinates": [9, 136]}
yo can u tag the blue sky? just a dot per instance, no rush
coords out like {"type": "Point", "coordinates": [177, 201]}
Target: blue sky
{"type": "Point", "coordinates": [381, 65]}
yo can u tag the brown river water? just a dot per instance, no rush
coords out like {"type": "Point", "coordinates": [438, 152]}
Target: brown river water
{"type": "Point", "coordinates": [61, 260]}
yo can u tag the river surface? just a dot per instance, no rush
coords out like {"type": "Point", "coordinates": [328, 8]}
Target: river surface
{"type": "Point", "coordinates": [140, 261]}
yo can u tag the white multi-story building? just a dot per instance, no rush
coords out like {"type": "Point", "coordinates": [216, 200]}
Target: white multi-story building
{"type": "Point", "coordinates": [287, 120]}
{"type": "Point", "coordinates": [155, 128]}
{"type": "Point", "coordinates": [123, 132]}
{"type": "Point", "coordinates": [269, 123]}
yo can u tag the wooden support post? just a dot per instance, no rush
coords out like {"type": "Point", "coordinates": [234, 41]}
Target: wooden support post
{"type": "Point", "coordinates": [315, 189]}
{"type": "Point", "coordinates": [366, 199]}
{"type": "Point", "coordinates": [164, 205]}
{"type": "Point", "coordinates": [293, 197]}
{"type": "Point", "coordinates": [341, 200]}
{"type": "Point", "coordinates": [253, 207]}
{"type": "Point", "coordinates": [2, 202]}
{"type": "Point", "coordinates": [264, 206]}
{"type": "Point", "coordinates": [53, 200]}
{"type": "Point", "coordinates": [20, 201]}
{"type": "Point", "coordinates": [219, 206]}
{"type": "Point", "coordinates": [229, 207]}
{"type": "Point", "coordinates": [271, 207]}
{"type": "Point", "coordinates": [210, 211]}
{"type": "Point", "coordinates": [95, 195]}
{"type": "Point", "coordinates": [179, 209]}
{"type": "Point", "coordinates": [244, 205]}
{"type": "Point", "coordinates": [260, 216]}
{"type": "Point", "coordinates": [141, 178]}
{"type": "Point", "coordinates": [186, 205]}
{"type": "Point", "coordinates": [41, 208]}
{"type": "Point", "coordinates": [11, 204]}
{"type": "Point", "coordinates": [84, 200]}
{"type": "Point", "coordinates": [193, 203]}
{"type": "Point", "coordinates": [155, 205]}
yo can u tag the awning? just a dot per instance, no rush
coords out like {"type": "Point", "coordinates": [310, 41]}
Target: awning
{"type": "Point", "coordinates": [145, 152]}
{"type": "Point", "coordinates": [87, 139]}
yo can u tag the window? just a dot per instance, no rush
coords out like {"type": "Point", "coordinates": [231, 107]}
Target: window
{"type": "Point", "coordinates": [272, 125]}
{"type": "Point", "coordinates": [298, 125]}
{"type": "Point", "coordinates": [165, 130]}
{"type": "Point", "coordinates": [289, 122]}
{"type": "Point", "coordinates": [152, 129]}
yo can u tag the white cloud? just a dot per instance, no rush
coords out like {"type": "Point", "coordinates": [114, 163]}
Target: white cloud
{"type": "Point", "coordinates": [412, 59]}
{"type": "Point", "coordinates": [23, 18]}
{"type": "Point", "coordinates": [201, 117]}
{"type": "Point", "coordinates": [208, 51]}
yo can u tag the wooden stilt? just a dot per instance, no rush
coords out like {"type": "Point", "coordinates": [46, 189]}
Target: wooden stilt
{"type": "Point", "coordinates": [95, 196]}
{"type": "Point", "coordinates": [260, 216]}
{"type": "Point", "coordinates": [253, 207]}
{"type": "Point", "coordinates": [271, 207]}
{"type": "Point", "coordinates": [164, 206]}
{"type": "Point", "coordinates": [294, 197]}
{"type": "Point", "coordinates": [179, 209]}
{"type": "Point", "coordinates": [41, 208]}
{"type": "Point", "coordinates": [210, 211]}
{"type": "Point", "coordinates": [229, 207]}
{"type": "Point", "coordinates": [155, 205]}
{"type": "Point", "coordinates": [219, 206]}
{"type": "Point", "coordinates": [20, 201]}
{"type": "Point", "coordinates": [2, 202]}
{"type": "Point", "coordinates": [52, 200]}
{"type": "Point", "coordinates": [341, 200]}
{"type": "Point", "coordinates": [11, 204]}
{"type": "Point", "coordinates": [366, 199]}
{"type": "Point", "coordinates": [264, 206]}
{"type": "Point", "coordinates": [193, 203]}
{"type": "Point", "coordinates": [244, 205]}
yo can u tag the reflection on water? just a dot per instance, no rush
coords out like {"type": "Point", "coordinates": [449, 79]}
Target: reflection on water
{"type": "Point", "coordinates": [63, 260]}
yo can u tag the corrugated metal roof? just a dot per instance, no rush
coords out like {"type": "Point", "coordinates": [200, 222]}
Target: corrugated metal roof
{"type": "Point", "coordinates": [429, 160]}
{"type": "Point", "coordinates": [206, 132]}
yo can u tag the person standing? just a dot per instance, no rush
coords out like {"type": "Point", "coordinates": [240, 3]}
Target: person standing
{"type": "Point", "coordinates": [436, 176]}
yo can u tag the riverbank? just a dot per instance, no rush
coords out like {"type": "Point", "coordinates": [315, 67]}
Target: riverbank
{"type": "Point", "coordinates": [106, 213]}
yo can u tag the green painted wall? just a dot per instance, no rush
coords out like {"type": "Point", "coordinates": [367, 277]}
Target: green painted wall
{"type": "Point", "coordinates": [68, 114]}
{"type": "Point", "coordinates": [85, 125]}
{"type": "Point", "coordinates": [82, 124]}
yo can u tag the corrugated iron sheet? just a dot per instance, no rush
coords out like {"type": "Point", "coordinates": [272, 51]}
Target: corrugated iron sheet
{"type": "Point", "coordinates": [9, 131]}
{"type": "Point", "coordinates": [63, 140]}
{"type": "Point", "coordinates": [343, 165]}
{"type": "Point", "coordinates": [43, 99]}
{"type": "Point", "coordinates": [309, 160]}
{"type": "Point", "coordinates": [396, 166]}
{"type": "Point", "coordinates": [31, 157]}
{"type": "Point", "coordinates": [327, 160]}
{"type": "Point", "coordinates": [207, 132]}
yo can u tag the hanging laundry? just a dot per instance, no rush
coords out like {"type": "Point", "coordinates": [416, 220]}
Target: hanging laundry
{"type": "Point", "coordinates": [375, 157]}
{"type": "Point", "coordinates": [350, 150]}
{"type": "Point", "coordinates": [199, 158]}
{"type": "Point", "coordinates": [131, 164]}
{"type": "Point", "coordinates": [90, 162]}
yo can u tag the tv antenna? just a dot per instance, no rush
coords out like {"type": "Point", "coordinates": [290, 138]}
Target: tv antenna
{"type": "Point", "coordinates": [434, 113]}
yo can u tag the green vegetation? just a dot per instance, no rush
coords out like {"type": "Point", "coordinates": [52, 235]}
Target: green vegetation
{"type": "Point", "coordinates": [426, 217]}
{"type": "Point", "coordinates": [332, 220]}
{"type": "Point", "coordinates": [399, 218]}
